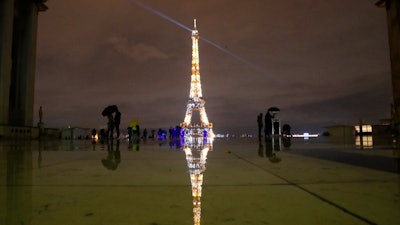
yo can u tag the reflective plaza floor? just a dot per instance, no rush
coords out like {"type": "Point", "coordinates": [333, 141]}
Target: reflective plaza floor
{"type": "Point", "coordinates": [246, 181]}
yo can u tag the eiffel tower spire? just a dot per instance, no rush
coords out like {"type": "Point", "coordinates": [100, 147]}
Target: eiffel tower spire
{"type": "Point", "coordinates": [196, 101]}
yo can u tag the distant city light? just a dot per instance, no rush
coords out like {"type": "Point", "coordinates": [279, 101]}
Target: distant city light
{"type": "Point", "coordinates": [305, 135]}
{"type": "Point", "coordinates": [95, 137]}
{"type": "Point", "coordinates": [364, 128]}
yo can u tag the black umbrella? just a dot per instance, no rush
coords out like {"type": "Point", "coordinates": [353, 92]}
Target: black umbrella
{"type": "Point", "coordinates": [274, 109]}
{"type": "Point", "coordinates": [109, 110]}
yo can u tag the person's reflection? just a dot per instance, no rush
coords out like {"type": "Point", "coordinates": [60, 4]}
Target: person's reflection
{"type": "Point", "coordinates": [286, 141]}
{"type": "Point", "coordinates": [113, 157]}
{"type": "Point", "coordinates": [272, 145]}
{"type": "Point", "coordinates": [260, 149]}
{"type": "Point", "coordinates": [133, 144]}
{"type": "Point", "coordinates": [175, 143]}
{"type": "Point", "coordinates": [94, 142]}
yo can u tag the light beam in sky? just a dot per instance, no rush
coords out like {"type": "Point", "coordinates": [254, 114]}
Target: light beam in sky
{"type": "Point", "coordinates": [237, 57]}
{"type": "Point", "coordinates": [158, 13]}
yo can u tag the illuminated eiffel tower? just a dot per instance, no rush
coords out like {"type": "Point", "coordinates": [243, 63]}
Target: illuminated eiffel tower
{"type": "Point", "coordinates": [196, 101]}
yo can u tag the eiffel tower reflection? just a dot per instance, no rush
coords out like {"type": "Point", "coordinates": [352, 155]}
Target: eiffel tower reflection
{"type": "Point", "coordinates": [196, 148]}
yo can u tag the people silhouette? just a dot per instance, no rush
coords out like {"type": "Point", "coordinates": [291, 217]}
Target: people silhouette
{"type": "Point", "coordinates": [268, 124]}
{"type": "Point", "coordinates": [94, 133]}
{"type": "Point", "coordinates": [117, 121]}
{"type": "Point", "coordinates": [260, 125]}
{"type": "Point", "coordinates": [108, 111]}
{"type": "Point", "coordinates": [113, 157]}
{"type": "Point", "coordinates": [103, 135]}
{"type": "Point", "coordinates": [40, 114]}
{"type": "Point", "coordinates": [272, 145]}
{"type": "Point", "coordinates": [110, 126]}
{"type": "Point", "coordinates": [144, 134]}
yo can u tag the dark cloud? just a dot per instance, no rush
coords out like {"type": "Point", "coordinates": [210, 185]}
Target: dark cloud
{"type": "Point", "coordinates": [138, 52]}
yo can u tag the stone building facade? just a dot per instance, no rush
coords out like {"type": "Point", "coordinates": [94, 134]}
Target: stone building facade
{"type": "Point", "coordinates": [18, 27]}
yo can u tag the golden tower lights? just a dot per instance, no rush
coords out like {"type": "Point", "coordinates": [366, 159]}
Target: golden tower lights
{"type": "Point", "coordinates": [196, 144]}
{"type": "Point", "coordinates": [196, 101]}
{"type": "Point", "coordinates": [196, 149]}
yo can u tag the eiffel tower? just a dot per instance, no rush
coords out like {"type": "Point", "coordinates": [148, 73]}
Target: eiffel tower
{"type": "Point", "coordinates": [196, 101]}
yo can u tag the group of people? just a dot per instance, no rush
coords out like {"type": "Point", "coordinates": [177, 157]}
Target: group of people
{"type": "Point", "coordinates": [134, 132]}
{"type": "Point", "coordinates": [175, 132]}
{"type": "Point", "coordinates": [268, 124]}
{"type": "Point", "coordinates": [271, 124]}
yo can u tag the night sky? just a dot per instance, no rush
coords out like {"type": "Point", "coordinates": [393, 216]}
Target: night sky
{"type": "Point", "coordinates": [321, 62]}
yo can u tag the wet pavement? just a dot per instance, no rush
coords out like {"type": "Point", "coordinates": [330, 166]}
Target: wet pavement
{"type": "Point", "coordinates": [245, 182]}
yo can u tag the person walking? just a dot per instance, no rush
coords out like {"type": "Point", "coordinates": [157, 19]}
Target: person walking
{"type": "Point", "coordinates": [117, 122]}
{"type": "Point", "coordinates": [268, 124]}
{"type": "Point", "coordinates": [94, 133]}
{"type": "Point", "coordinates": [260, 124]}
{"type": "Point", "coordinates": [110, 126]}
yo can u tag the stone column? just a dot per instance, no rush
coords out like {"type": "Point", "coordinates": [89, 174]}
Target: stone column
{"type": "Point", "coordinates": [393, 18]}
{"type": "Point", "coordinates": [23, 63]}
{"type": "Point", "coordinates": [393, 22]}
{"type": "Point", "coordinates": [6, 32]}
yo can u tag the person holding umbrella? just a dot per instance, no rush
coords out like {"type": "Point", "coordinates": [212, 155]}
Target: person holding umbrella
{"type": "Point", "coordinates": [108, 111]}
